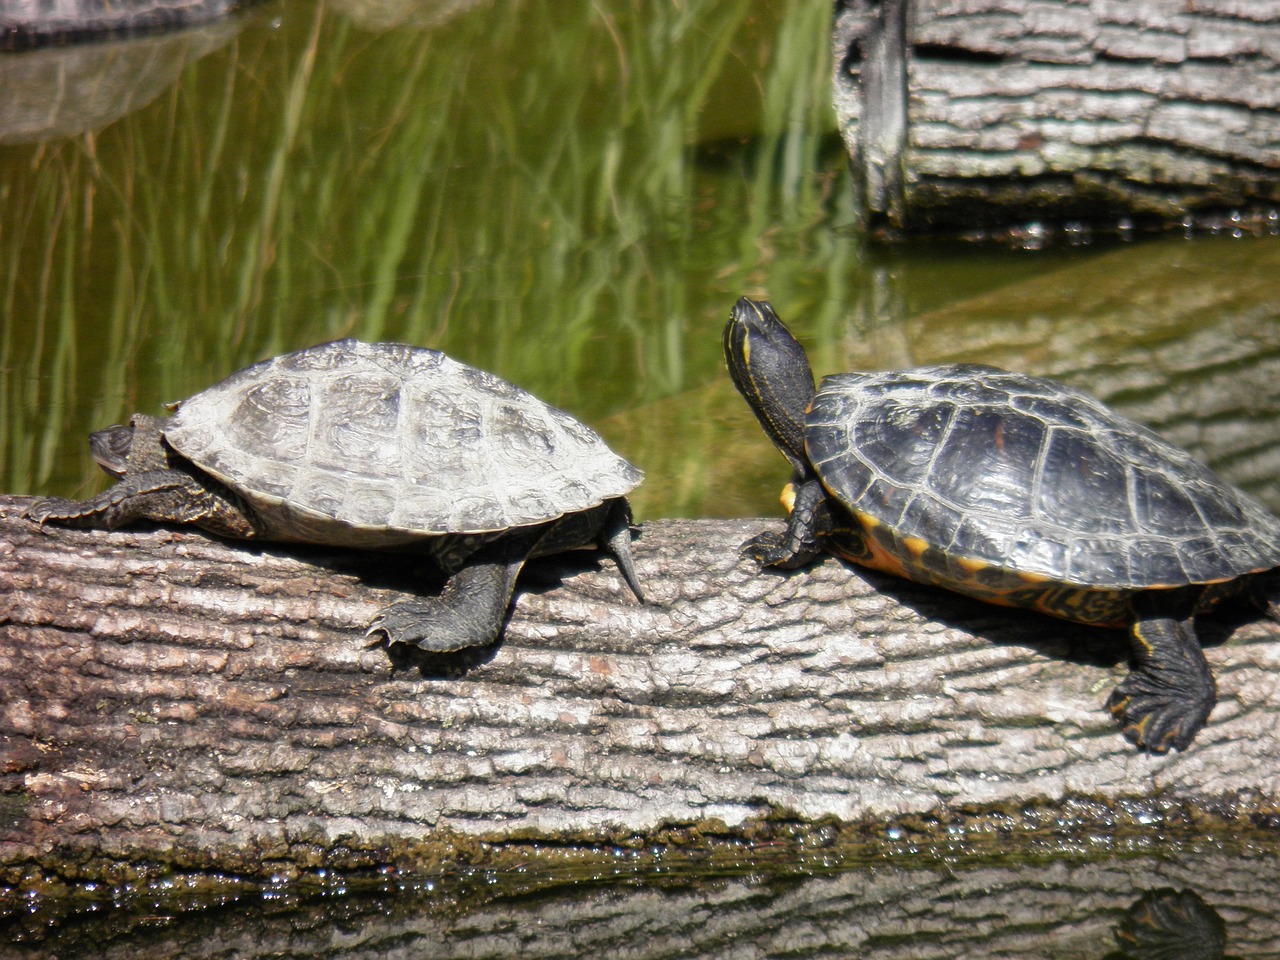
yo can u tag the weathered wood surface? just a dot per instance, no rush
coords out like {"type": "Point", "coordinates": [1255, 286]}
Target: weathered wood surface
{"type": "Point", "coordinates": [169, 699]}
{"type": "Point", "coordinates": [970, 112]}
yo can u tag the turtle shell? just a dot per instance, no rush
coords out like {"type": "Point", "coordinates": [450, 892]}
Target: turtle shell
{"type": "Point", "coordinates": [359, 444]}
{"type": "Point", "coordinates": [979, 468]}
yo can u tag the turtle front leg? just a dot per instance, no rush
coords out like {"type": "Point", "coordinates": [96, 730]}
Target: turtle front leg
{"type": "Point", "coordinates": [1169, 692]}
{"type": "Point", "coordinates": [468, 612]}
{"type": "Point", "coordinates": [163, 496]}
{"type": "Point", "coordinates": [808, 522]}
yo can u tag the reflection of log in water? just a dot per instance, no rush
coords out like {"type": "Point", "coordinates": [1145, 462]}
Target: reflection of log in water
{"type": "Point", "coordinates": [169, 700]}
{"type": "Point", "coordinates": [32, 23]}
{"type": "Point", "coordinates": [1183, 336]}
{"type": "Point", "coordinates": [1010, 110]}
{"type": "Point", "coordinates": [60, 92]}
{"type": "Point", "coordinates": [1151, 328]}
{"type": "Point", "coordinates": [886, 912]}
{"type": "Point", "coordinates": [1170, 924]}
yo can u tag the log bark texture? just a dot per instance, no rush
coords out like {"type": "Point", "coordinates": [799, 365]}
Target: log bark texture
{"type": "Point", "coordinates": [971, 112]}
{"type": "Point", "coordinates": [170, 701]}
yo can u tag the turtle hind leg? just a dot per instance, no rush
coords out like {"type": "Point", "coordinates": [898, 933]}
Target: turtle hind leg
{"type": "Point", "coordinates": [1169, 693]}
{"type": "Point", "coordinates": [471, 609]}
{"type": "Point", "coordinates": [615, 540]}
{"type": "Point", "coordinates": [1263, 590]}
{"type": "Point", "coordinates": [469, 612]}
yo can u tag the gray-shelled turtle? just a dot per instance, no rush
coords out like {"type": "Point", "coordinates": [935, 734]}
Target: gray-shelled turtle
{"type": "Point", "coordinates": [1018, 491]}
{"type": "Point", "coordinates": [376, 446]}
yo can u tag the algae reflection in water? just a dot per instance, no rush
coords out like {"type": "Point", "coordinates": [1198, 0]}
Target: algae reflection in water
{"type": "Point", "coordinates": [521, 186]}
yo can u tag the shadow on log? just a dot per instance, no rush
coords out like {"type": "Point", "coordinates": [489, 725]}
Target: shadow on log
{"type": "Point", "coordinates": [170, 703]}
{"type": "Point", "coordinates": [1004, 111]}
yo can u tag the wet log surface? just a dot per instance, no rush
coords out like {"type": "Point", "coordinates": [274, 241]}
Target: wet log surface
{"type": "Point", "coordinates": [173, 703]}
{"type": "Point", "coordinates": [894, 911]}
{"type": "Point", "coordinates": [965, 112]}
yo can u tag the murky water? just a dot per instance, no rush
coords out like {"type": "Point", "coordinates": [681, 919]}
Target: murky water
{"type": "Point", "coordinates": [570, 193]}
{"type": "Point", "coordinates": [1190, 904]}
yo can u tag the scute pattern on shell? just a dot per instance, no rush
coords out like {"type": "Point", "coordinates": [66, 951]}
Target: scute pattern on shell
{"type": "Point", "coordinates": [349, 442]}
{"type": "Point", "coordinates": [1031, 476]}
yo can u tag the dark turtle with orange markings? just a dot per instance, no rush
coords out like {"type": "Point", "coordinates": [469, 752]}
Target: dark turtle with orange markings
{"type": "Point", "coordinates": [1016, 490]}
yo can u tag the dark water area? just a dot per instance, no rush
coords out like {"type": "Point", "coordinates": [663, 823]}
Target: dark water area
{"type": "Point", "coordinates": [569, 194]}
{"type": "Point", "coordinates": [1196, 904]}
{"type": "Point", "coordinates": [572, 194]}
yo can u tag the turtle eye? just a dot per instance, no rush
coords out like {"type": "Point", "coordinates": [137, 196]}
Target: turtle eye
{"type": "Point", "coordinates": [110, 448]}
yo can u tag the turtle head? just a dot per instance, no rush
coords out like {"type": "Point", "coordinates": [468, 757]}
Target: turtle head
{"type": "Point", "coordinates": [130, 448]}
{"type": "Point", "coordinates": [771, 371]}
{"type": "Point", "coordinates": [110, 448]}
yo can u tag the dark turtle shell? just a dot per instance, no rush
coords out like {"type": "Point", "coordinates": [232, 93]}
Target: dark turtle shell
{"type": "Point", "coordinates": [959, 468]}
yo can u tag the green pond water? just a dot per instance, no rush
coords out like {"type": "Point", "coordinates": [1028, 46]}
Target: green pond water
{"type": "Point", "coordinates": [571, 194]}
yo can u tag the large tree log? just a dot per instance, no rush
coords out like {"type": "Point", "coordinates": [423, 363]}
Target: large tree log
{"type": "Point", "coordinates": [964, 112]}
{"type": "Point", "coordinates": [170, 702]}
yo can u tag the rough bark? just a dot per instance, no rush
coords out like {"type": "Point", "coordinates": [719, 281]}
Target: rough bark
{"type": "Point", "coordinates": [1020, 110]}
{"type": "Point", "coordinates": [172, 701]}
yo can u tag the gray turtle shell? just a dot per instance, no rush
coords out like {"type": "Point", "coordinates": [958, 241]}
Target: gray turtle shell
{"type": "Point", "coordinates": [359, 444]}
{"type": "Point", "coordinates": [1031, 476]}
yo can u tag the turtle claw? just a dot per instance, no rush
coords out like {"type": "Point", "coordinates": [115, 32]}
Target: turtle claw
{"type": "Point", "coordinates": [767, 549]}
{"type": "Point", "coordinates": [1156, 717]}
{"type": "Point", "coordinates": [50, 508]}
{"type": "Point", "coordinates": [1170, 692]}
{"type": "Point", "coordinates": [431, 626]}
{"type": "Point", "coordinates": [780, 550]}
{"type": "Point", "coordinates": [468, 612]}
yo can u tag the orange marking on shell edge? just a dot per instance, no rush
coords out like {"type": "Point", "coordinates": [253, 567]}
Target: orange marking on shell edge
{"type": "Point", "coordinates": [880, 559]}
{"type": "Point", "coordinates": [1032, 577]}
{"type": "Point", "coordinates": [788, 497]}
{"type": "Point", "coordinates": [971, 564]}
{"type": "Point", "coordinates": [999, 601]}
{"type": "Point", "coordinates": [916, 546]}
{"type": "Point", "coordinates": [867, 520]}
{"type": "Point", "coordinates": [876, 556]}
